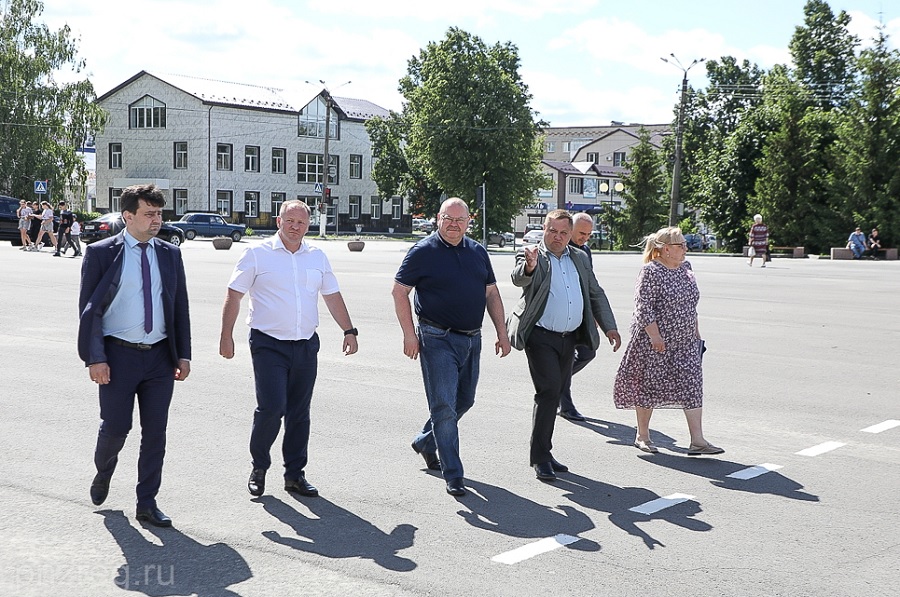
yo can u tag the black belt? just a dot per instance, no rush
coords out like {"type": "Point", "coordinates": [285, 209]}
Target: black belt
{"type": "Point", "coordinates": [134, 345]}
{"type": "Point", "coordinates": [474, 332]}
{"type": "Point", "coordinates": [560, 334]}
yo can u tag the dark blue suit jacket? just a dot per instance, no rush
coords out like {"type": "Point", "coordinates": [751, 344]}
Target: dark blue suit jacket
{"type": "Point", "coordinates": [101, 271]}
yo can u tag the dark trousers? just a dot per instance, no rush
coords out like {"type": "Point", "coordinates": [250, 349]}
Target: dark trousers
{"type": "Point", "coordinates": [63, 239]}
{"type": "Point", "coordinates": [550, 357]}
{"type": "Point", "coordinates": [584, 354]}
{"type": "Point", "coordinates": [149, 375]}
{"type": "Point", "coordinates": [285, 372]}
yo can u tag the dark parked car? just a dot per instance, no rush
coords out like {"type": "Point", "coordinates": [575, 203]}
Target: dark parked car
{"type": "Point", "coordinates": [501, 239]}
{"type": "Point", "coordinates": [696, 242]}
{"type": "Point", "coordinates": [112, 223]}
{"type": "Point", "coordinates": [9, 223]}
{"type": "Point", "coordinates": [199, 224]}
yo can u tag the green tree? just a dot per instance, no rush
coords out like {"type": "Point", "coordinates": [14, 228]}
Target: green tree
{"type": "Point", "coordinates": [470, 122]}
{"type": "Point", "coordinates": [646, 204]}
{"type": "Point", "coordinates": [823, 54]}
{"type": "Point", "coordinates": [42, 122]}
{"type": "Point", "coordinates": [394, 171]}
{"type": "Point", "coordinates": [867, 174]}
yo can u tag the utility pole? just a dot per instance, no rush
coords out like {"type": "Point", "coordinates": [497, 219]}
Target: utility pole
{"type": "Point", "coordinates": [323, 199]}
{"type": "Point", "coordinates": [483, 207]}
{"type": "Point", "coordinates": [679, 137]}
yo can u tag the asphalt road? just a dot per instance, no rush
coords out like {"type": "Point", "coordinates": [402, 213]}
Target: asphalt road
{"type": "Point", "coordinates": [801, 354]}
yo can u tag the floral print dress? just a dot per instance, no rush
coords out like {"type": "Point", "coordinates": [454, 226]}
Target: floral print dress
{"type": "Point", "coordinates": [674, 377]}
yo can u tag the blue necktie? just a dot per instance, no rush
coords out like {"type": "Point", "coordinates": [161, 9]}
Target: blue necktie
{"type": "Point", "coordinates": [145, 283]}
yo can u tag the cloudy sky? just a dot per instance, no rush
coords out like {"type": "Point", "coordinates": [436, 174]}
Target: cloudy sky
{"type": "Point", "coordinates": [585, 62]}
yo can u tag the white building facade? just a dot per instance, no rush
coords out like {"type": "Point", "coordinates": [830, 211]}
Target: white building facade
{"type": "Point", "coordinates": [241, 151]}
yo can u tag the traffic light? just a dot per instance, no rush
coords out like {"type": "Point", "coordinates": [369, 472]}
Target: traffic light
{"type": "Point", "coordinates": [327, 193]}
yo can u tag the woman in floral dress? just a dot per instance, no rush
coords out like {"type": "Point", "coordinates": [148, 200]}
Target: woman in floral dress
{"type": "Point", "coordinates": [661, 367]}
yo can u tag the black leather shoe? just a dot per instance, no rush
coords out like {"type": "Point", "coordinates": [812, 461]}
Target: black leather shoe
{"type": "Point", "coordinates": [154, 516]}
{"type": "Point", "coordinates": [99, 490]}
{"type": "Point", "coordinates": [456, 487]}
{"type": "Point", "coordinates": [557, 466]}
{"type": "Point", "coordinates": [257, 483]}
{"type": "Point", "coordinates": [571, 414]}
{"type": "Point", "coordinates": [544, 471]}
{"type": "Point", "coordinates": [301, 486]}
{"type": "Point", "coordinates": [431, 458]}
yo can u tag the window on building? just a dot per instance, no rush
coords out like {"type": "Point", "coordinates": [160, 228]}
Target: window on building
{"type": "Point", "coordinates": [223, 203]}
{"type": "Point", "coordinates": [619, 158]}
{"type": "Point", "coordinates": [355, 201]}
{"type": "Point", "coordinates": [576, 185]}
{"type": "Point", "coordinates": [355, 166]}
{"type": "Point", "coordinates": [278, 160]}
{"type": "Point", "coordinates": [147, 113]}
{"type": "Point", "coordinates": [223, 156]}
{"type": "Point", "coordinates": [593, 157]}
{"type": "Point", "coordinates": [277, 200]}
{"type": "Point", "coordinates": [251, 204]}
{"type": "Point", "coordinates": [114, 196]}
{"type": "Point", "coordinates": [551, 146]}
{"type": "Point", "coordinates": [181, 155]}
{"type": "Point", "coordinates": [567, 146]}
{"type": "Point", "coordinates": [309, 168]}
{"type": "Point", "coordinates": [181, 201]}
{"type": "Point", "coordinates": [375, 208]}
{"type": "Point", "coordinates": [311, 121]}
{"type": "Point", "coordinates": [115, 155]}
{"type": "Point", "coordinates": [396, 207]}
{"type": "Point", "coordinates": [251, 158]}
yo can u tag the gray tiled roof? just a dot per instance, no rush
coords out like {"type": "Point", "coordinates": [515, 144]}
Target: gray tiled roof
{"type": "Point", "coordinates": [226, 92]}
{"type": "Point", "coordinates": [359, 109]}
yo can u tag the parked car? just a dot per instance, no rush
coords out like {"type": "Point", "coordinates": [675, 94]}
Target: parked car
{"type": "Point", "coordinates": [501, 239]}
{"type": "Point", "coordinates": [532, 237]}
{"type": "Point", "coordinates": [595, 242]}
{"type": "Point", "coordinates": [9, 223]}
{"type": "Point", "coordinates": [112, 223]}
{"type": "Point", "coordinates": [695, 242]}
{"type": "Point", "coordinates": [202, 224]}
{"type": "Point", "coordinates": [422, 225]}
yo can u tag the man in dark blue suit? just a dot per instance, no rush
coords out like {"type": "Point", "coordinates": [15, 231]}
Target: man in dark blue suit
{"type": "Point", "coordinates": [134, 336]}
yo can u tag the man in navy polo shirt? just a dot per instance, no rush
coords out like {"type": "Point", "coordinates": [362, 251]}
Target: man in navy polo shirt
{"type": "Point", "coordinates": [454, 283]}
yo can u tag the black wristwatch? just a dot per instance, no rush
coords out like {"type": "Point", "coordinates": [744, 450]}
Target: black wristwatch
{"type": "Point", "coordinates": [353, 331]}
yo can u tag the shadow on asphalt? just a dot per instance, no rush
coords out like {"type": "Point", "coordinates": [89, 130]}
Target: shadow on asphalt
{"type": "Point", "coordinates": [338, 533]}
{"type": "Point", "coordinates": [717, 470]}
{"type": "Point", "coordinates": [499, 510]}
{"type": "Point", "coordinates": [623, 435]}
{"type": "Point", "coordinates": [615, 500]}
{"type": "Point", "coordinates": [180, 566]}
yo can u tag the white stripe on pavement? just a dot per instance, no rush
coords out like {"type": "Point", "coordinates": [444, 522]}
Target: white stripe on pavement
{"type": "Point", "coordinates": [533, 549]}
{"type": "Point", "coordinates": [889, 424]}
{"type": "Point", "coordinates": [754, 471]}
{"type": "Point", "coordinates": [661, 503]}
{"type": "Point", "coordinates": [820, 449]}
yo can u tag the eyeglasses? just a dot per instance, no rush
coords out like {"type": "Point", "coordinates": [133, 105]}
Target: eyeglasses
{"type": "Point", "coordinates": [446, 218]}
{"type": "Point", "coordinates": [683, 245]}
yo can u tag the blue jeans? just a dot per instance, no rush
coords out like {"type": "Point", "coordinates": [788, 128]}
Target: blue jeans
{"type": "Point", "coordinates": [450, 364]}
{"type": "Point", "coordinates": [857, 249]}
{"type": "Point", "coordinates": [285, 372]}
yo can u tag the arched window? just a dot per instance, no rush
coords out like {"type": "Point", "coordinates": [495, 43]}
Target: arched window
{"type": "Point", "coordinates": [147, 113]}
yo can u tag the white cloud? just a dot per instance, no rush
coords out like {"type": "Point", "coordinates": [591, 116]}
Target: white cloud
{"type": "Point", "coordinates": [457, 10]}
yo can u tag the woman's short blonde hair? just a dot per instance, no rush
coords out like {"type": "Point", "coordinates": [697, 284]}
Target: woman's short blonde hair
{"type": "Point", "coordinates": [653, 243]}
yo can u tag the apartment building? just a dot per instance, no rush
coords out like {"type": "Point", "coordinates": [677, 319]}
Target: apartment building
{"type": "Point", "coordinates": [242, 150]}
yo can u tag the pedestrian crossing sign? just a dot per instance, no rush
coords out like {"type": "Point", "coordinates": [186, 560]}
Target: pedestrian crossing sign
{"type": "Point", "coordinates": [40, 187]}
{"type": "Point", "coordinates": [319, 188]}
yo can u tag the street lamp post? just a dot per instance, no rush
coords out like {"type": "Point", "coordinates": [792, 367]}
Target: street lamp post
{"type": "Point", "coordinates": [323, 199]}
{"type": "Point", "coordinates": [679, 135]}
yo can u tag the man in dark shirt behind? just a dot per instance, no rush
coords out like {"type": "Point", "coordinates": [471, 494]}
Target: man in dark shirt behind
{"type": "Point", "coordinates": [454, 283]}
{"type": "Point", "coordinates": [64, 233]}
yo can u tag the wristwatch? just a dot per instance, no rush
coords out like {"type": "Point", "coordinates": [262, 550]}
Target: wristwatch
{"type": "Point", "coordinates": [353, 331]}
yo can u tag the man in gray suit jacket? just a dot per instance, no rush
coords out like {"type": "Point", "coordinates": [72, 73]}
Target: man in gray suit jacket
{"type": "Point", "coordinates": [560, 307]}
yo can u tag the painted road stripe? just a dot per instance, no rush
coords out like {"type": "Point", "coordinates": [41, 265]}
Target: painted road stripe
{"type": "Point", "coordinates": [533, 549]}
{"type": "Point", "coordinates": [754, 471]}
{"type": "Point", "coordinates": [661, 503]}
{"type": "Point", "coordinates": [889, 424]}
{"type": "Point", "coordinates": [820, 449]}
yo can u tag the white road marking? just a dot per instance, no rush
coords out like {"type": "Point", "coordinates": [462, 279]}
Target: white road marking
{"type": "Point", "coordinates": [533, 549]}
{"type": "Point", "coordinates": [754, 471]}
{"type": "Point", "coordinates": [661, 503]}
{"type": "Point", "coordinates": [820, 449]}
{"type": "Point", "coordinates": [889, 424]}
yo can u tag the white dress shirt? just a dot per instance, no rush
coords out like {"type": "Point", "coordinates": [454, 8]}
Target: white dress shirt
{"type": "Point", "coordinates": [284, 287]}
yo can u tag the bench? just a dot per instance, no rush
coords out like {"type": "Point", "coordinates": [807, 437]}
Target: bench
{"type": "Point", "coordinates": [793, 252]}
{"type": "Point", "coordinates": [845, 253]}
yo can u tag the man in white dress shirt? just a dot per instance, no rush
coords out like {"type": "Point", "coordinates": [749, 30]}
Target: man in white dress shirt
{"type": "Point", "coordinates": [284, 276]}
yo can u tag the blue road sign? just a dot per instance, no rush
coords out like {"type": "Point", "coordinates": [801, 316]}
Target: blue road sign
{"type": "Point", "coordinates": [40, 187]}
